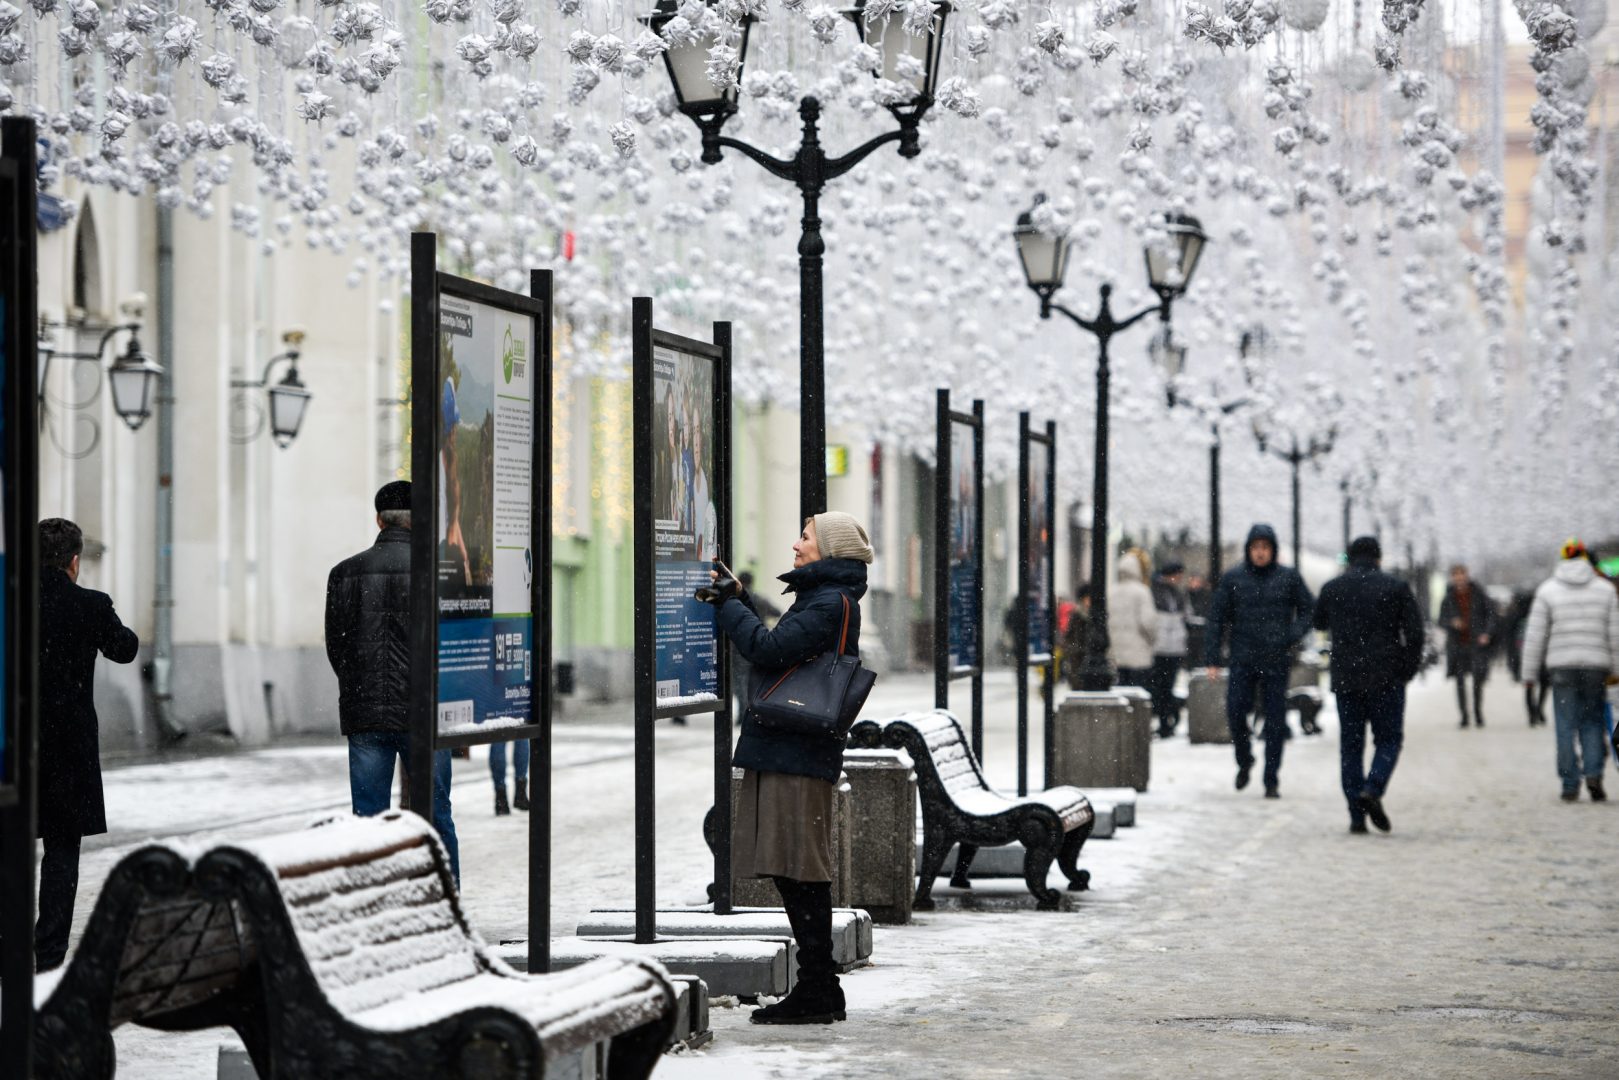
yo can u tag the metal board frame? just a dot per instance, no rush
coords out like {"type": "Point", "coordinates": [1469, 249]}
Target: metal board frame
{"type": "Point", "coordinates": [646, 338]}
{"type": "Point", "coordinates": [426, 285]}
{"type": "Point", "coordinates": [1028, 440]}
{"type": "Point", "coordinates": [19, 308]}
{"type": "Point", "coordinates": [943, 673]}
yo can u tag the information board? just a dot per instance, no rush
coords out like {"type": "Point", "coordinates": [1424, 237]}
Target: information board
{"type": "Point", "coordinates": [965, 593]}
{"type": "Point", "coordinates": [685, 526]}
{"type": "Point", "coordinates": [485, 406]}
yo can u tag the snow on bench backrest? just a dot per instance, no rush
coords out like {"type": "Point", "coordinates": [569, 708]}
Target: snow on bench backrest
{"type": "Point", "coordinates": [368, 901]}
{"type": "Point", "coordinates": [947, 747]}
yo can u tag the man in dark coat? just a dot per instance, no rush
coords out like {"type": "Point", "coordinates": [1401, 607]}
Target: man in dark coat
{"type": "Point", "coordinates": [368, 644]}
{"type": "Point", "coordinates": [1266, 610]}
{"type": "Point", "coordinates": [1469, 621]}
{"type": "Point", "coordinates": [1377, 640]}
{"type": "Point", "coordinates": [74, 626]}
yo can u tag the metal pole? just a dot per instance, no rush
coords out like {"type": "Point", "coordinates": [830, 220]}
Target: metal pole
{"type": "Point", "coordinates": [978, 581]}
{"type": "Point", "coordinates": [424, 428]}
{"type": "Point", "coordinates": [1214, 509]}
{"type": "Point", "coordinates": [722, 718]}
{"type": "Point", "coordinates": [812, 346]}
{"type": "Point", "coordinates": [1021, 607]}
{"type": "Point", "coordinates": [539, 750]}
{"type": "Point", "coordinates": [1347, 511]}
{"type": "Point", "coordinates": [163, 522]}
{"type": "Point", "coordinates": [646, 818]}
{"type": "Point", "coordinates": [941, 557]}
{"type": "Point", "coordinates": [1298, 546]}
{"type": "Point", "coordinates": [1098, 673]}
{"type": "Point", "coordinates": [1049, 684]}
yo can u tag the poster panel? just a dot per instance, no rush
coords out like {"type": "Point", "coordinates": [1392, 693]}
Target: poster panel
{"type": "Point", "coordinates": [1039, 539]}
{"type": "Point", "coordinates": [685, 526]}
{"type": "Point", "coordinates": [965, 594]}
{"type": "Point", "coordinates": [486, 418]}
{"type": "Point", "coordinates": [7, 780]}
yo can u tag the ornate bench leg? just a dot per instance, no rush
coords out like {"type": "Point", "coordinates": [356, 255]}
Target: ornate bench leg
{"type": "Point", "coordinates": [964, 864]}
{"type": "Point", "coordinates": [1078, 880]}
{"type": "Point", "coordinates": [935, 847]}
{"type": "Point", "coordinates": [1039, 849]}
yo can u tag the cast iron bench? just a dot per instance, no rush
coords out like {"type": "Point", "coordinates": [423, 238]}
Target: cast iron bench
{"type": "Point", "coordinates": [334, 952]}
{"type": "Point", "coordinates": [958, 806]}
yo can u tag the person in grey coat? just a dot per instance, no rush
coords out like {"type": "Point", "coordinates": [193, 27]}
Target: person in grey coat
{"type": "Point", "coordinates": [1170, 650]}
{"type": "Point", "coordinates": [783, 826]}
{"type": "Point", "coordinates": [1132, 622]}
{"type": "Point", "coordinates": [1573, 633]}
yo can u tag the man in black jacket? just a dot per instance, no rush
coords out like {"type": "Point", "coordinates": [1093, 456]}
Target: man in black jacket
{"type": "Point", "coordinates": [1377, 641]}
{"type": "Point", "coordinates": [1266, 609]}
{"type": "Point", "coordinates": [75, 625]}
{"type": "Point", "coordinates": [368, 643]}
{"type": "Point", "coordinates": [1469, 620]}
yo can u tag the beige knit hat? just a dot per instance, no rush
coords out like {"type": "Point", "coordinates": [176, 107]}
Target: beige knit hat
{"type": "Point", "coordinates": [840, 536]}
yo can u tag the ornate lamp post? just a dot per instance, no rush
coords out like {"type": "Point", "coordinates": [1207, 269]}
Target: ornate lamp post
{"type": "Point", "coordinates": [288, 398]}
{"type": "Point", "coordinates": [1169, 271]}
{"type": "Point", "coordinates": [132, 375]}
{"type": "Point", "coordinates": [912, 61]}
{"type": "Point", "coordinates": [1296, 453]}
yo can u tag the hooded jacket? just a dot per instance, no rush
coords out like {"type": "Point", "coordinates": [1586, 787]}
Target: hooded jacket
{"type": "Point", "coordinates": [1265, 610]}
{"type": "Point", "coordinates": [1132, 618]}
{"type": "Point", "coordinates": [808, 628]}
{"type": "Point", "coordinates": [1573, 623]}
{"type": "Point", "coordinates": [1376, 628]}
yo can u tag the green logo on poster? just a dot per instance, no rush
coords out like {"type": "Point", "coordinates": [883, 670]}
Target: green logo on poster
{"type": "Point", "coordinates": [506, 355]}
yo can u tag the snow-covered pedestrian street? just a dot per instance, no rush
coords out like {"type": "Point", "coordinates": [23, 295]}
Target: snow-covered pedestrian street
{"type": "Point", "coordinates": [1225, 935]}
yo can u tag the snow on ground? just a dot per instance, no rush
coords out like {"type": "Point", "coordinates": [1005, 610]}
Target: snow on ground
{"type": "Point", "coordinates": [1224, 935]}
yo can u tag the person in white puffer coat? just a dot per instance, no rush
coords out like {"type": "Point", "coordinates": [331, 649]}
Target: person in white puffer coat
{"type": "Point", "coordinates": [1132, 621]}
{"type": "Point", "coordinates": [1573, 633]}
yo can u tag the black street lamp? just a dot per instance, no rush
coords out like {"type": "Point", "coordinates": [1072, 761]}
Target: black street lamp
{"type": "Point", "coordinates": [912, 62]}
{"type": "Point", "coordinates": [1172, 358]}
{"type": "Point", "coordinates": [132, 375]}
{"type": "Point", "coordinates": [1296, 453]}
{"type": "Point", "coordinates": [288, 398]}
{"type": "Point", "coordinates": [1169, 272]}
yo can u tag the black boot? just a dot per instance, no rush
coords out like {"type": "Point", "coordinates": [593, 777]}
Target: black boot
{"type": "Point", "coordinates": [502, 808]}
{"type": "Point", "coordinates": [1593, 784]}
{"type": "Point", "coordinates": [817, 997]}
{"type": "Point", "coordinates": [520, 796]}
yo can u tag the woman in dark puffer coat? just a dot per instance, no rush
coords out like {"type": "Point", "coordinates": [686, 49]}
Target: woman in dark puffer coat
{"type": "Point", "coordinates": [783, 827]}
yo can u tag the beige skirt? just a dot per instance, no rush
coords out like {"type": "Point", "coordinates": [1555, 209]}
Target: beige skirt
{"type": "Point", "coordinates": [783, 827]}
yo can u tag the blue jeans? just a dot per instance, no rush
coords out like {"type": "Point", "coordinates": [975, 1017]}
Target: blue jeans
{"type": "Point", "coordinates": [1268, 682]}
{"type": "Point", "coordinates": [371, 773]}
{"type": "Point", "coordinates": [1384, 711]}
{"type": "Point", "coordinates": [1577, 698]}
{"type": "Point", "coordinates": [497, 762]}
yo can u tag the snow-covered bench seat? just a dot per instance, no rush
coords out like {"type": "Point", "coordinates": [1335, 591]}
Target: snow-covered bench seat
{"type": "Point", "coordinates": [335, 952]}
{"type": "Point", "coordinates": [959, 806]}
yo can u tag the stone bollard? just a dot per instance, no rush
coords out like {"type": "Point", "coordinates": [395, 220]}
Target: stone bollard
{"type": "Point", "coordinates": [883, 786]}
{"type": "Point", "coordinates": [1205, 709]}
{"type": "Point", "coordinates": [761, 892]}
{"type": "Point", "coordinates": [1139, 768]}
{"type": "Point", "coordinates": [1094, 743]}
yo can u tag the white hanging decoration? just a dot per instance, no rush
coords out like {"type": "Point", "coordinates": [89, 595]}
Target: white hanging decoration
{"type": "Point", "coordinates": [1305, 15]}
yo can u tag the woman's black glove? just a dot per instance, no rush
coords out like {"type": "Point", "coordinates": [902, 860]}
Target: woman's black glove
{"type": "Point", "coordinates": [722, 589]}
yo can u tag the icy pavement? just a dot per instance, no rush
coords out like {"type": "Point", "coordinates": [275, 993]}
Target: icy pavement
{"type": "Point", "coordinates": [1224, 935]}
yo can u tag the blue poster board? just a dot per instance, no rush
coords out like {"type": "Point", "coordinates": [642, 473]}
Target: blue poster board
{"type": "Point", "coordinates": [1039, 540]}
{"type": "Point", "coordinates": [965, 592]}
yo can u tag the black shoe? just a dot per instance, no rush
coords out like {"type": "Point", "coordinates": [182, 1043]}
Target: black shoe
{"type": "Point", "coordinates": [1242, 776]}
{"type": "Point", "coordinates": [1593, 784]}
{"type": "Point", "coordinates": [520, 796]}
{"type": "Point", "coordinates": [1357, 827]}
{"type": "Point", "coordinates": [502, 808]}
{"type": "Point", "coordinates": [1273, 792]}
{"type": "Point", "coordinates": [1463, 723]}
{"type": "Point", "coordinates": [1374, 810]}
{"type": "Point", "coordinates": [812, 1001]}
{"type": "Point", "coordinates": [1480, 720]}
{"type": "Point", "coordinates": [1572, 796]}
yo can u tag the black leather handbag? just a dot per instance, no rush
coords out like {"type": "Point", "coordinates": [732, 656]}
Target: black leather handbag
{"type": "Point", "coordinates": [821, 696]}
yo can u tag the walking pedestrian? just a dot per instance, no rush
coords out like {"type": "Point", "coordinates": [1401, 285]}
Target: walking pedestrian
{"type": "Point", "coordinates": [1169, 652]}
{"type": "Point", "coordinates": [368, 644]}
{"type": "Point", "coordinates": [783, 827]}
{"type": "Point", "coordinates": [1266, 610]}
{"type": "Point", "coordinates": [75, 625]}
{"type": "Point", "coordinates": [497, 773]}
{"type": "Point", "coordinates": [1377, 641]}
{"type": "Point", "coordinates": [1574, 634]}
{"type": "Point", "coordinates": [1132, 621]}
{"type": "Point", "coordinates": [1469, 621]}
{"type": "Point", "coordinates": [1535, 687]}
{"type": "Point", "coordinates": [1076, 636]}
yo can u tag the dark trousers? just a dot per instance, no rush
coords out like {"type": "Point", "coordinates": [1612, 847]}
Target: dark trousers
{"type": "Point", "coordinates": [1534, 700]}
{"type": "Point", "coordinates": [1473, 662]}
{"type": "Point", "coordinates": [1383, 710]}
{"type": "Point", "coordinates": [58, 888]}
{"type": "Point", "coordinates": [1135, 676]}
{"type": "Point", "coordinates": [1268, 683]}
{"type": "Point", "coordinates": [1164, 704]}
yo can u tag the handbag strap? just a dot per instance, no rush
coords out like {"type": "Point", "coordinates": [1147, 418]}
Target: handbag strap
{"type": "Point", "coordinates": [843, 635]}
